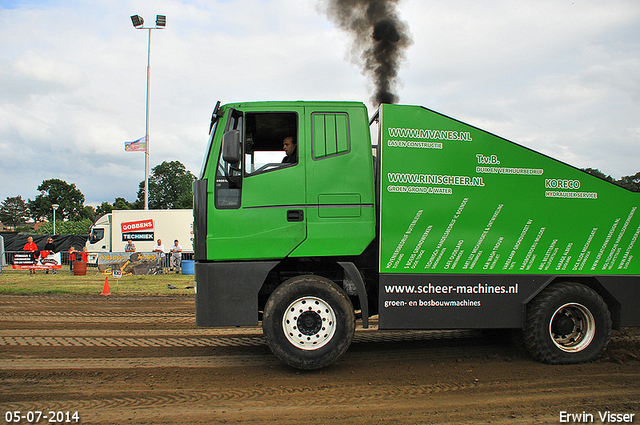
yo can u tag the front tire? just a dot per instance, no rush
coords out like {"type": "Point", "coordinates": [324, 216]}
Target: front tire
{"type": "Point", "coordinates": [567, 323]}
{"type": "Point", "coordinates": [308, 322]}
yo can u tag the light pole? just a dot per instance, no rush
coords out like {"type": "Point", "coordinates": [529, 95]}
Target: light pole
{"type": "Point", "coordinates": [138, 23]}
{"type": "Point", "coordinates": [55, 207]}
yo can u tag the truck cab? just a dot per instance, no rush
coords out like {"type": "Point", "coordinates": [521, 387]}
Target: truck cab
{"type": "Point", "coordinates": [100, 235]}
{"type": "Point", "coordinates": [261, 208]}
{"type": "Point", "coordinates": [259, 221]}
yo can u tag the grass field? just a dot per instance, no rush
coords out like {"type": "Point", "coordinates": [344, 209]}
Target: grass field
{"type": "Point", "coordinates": [21, 282]}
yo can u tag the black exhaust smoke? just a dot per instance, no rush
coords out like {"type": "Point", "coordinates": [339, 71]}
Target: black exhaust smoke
{"type": "Point", "coordinates": [380, 39]}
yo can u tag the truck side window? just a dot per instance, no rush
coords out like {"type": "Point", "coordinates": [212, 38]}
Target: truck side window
{"type": "Point", "coordinates": [96, 235]}
{"type": "Point", "coordinates": [330, 133]}
{"type": "Point", "coordinates": [264, 136]}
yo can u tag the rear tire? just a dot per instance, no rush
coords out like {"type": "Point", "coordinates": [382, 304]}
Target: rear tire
{"type": "Point", "coordinates": [308, 322]}
{"type": "Point", "coordinates": [567, 323]}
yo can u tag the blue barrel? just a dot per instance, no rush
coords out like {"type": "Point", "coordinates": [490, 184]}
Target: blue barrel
{"type": "Point", "coordinates": [188, 266]}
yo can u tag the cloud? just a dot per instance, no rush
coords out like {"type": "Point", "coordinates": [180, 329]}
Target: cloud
{"type": "Point", "coordinates": [555, 76]}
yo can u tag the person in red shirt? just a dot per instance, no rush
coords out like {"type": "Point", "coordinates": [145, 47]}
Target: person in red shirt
{"type": "Point", "coordinates": [30, 245]}
{"type": "Point", "coordinates": [72, 258]}
{"type": "Point", "coordinates": [33, 249]}
{"type": "Point", "coordinates": [84, 255]}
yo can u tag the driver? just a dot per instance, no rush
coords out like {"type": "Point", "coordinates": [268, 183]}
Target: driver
{"type": "Point", "coordinates": [290, 147]}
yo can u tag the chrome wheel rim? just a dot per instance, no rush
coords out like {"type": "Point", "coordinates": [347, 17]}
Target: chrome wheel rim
{"type": "Point", "coordinates": [572, 327]}
{"type": "Point", "coordinates": [309, 323]}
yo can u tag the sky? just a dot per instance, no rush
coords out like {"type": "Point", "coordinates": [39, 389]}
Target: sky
{"type": "Point", "coordinates": [559, 76]}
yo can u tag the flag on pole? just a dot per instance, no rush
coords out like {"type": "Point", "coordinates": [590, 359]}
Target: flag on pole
{"type": "Point", "coordinates": [139, 145]}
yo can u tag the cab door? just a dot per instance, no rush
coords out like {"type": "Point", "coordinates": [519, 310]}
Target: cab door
{"type": "Point", "coordinates": [269, 221]}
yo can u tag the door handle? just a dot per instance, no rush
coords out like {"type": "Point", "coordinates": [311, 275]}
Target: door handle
{"type": "Point", "coordinates": [295, 215]}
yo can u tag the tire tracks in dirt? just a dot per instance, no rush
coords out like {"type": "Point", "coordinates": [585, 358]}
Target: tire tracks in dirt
{"type": "Point", "coordinates": [497, 394]}
{"type": "Point", "coordinates": [401, 376]}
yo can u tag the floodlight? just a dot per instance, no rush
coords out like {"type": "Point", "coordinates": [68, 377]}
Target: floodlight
{"type": "Point", "coordinates": [137, 21]}
{"type": "Point", "coordinates": [55, 207]}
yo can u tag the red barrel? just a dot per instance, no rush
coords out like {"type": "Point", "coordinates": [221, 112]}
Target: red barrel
{"type": "Point", "coordinates": [79, 268]}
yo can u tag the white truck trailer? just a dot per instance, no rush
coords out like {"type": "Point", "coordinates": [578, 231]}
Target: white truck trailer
{"type": "Point", "coordinates": [111, 231]}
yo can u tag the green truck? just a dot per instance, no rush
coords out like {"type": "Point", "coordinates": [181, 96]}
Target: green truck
{"type": "Point", "coordinates": [436, 225]}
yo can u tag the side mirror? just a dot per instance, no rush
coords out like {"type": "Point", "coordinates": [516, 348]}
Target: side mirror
{"type": "Point", "coordinates": [231, 147]}
{"type": "Point", "coordinates": [215, 116]}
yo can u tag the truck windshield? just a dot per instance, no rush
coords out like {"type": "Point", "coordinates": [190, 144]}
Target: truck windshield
{"type": "Point", "coordinates": [96, 235]}
{"type": "Point", "coordinates": [203, 167]}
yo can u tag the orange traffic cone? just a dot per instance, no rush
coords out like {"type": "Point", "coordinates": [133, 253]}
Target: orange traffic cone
{"type": "Point", "coordinates": [105, 289]}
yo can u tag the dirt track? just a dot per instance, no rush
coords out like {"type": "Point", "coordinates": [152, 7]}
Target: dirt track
{"type": "Point", "coordinates": [143, 361]}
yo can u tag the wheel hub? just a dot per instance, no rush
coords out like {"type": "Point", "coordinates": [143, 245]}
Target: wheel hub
{"type": "Point", "coordinates": [309, 323]}
{"type": "Point", "coordinates": [572, 327]}
{"type": "Point", "coordinates": [563, 325]}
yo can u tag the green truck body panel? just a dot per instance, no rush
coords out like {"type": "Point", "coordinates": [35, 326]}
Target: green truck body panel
{"type": "Point", "coordinates": [472, 224]}
{"type": "Point", "coordinates": [456, 199]}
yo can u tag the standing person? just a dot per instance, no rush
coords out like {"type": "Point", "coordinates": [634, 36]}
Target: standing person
{"type": "Point", "coordinates": [84, 255]}
{"type": "Point", "coordinates": [72, 258]}
{"type": "Point", "coordinates": [176, 255]}
{"type": "Point", "coordinates": [33, 249]}
{"type": "Point", "coordinates": [49, 248]}
{"type": "Point", "coordinates": [159, 248]}
{"type": "Point", "coordinates": [129, 247]}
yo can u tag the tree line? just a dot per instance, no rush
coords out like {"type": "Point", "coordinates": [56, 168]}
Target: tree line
{"type": "Point", "coordinates": [628, 182]}
{"type": "Point", "coordinates": [170, 187]}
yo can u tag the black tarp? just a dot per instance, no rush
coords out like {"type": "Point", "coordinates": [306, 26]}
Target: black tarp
{"type": "Point", "coordinates": [16, 241]}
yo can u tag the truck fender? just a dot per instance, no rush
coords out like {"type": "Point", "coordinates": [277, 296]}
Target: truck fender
{"type": "Point", "coordinates": [534, 294]}
{"type": "Point", "coordinates": [603, 285]}
{"type": "Point", "coordinates": [227, 292]}
{"type": "Point", "coordinates": [355, 276]}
